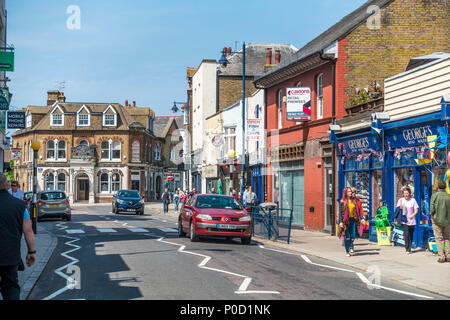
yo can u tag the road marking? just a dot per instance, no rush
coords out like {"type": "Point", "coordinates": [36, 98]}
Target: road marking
{"type": "Point", "coordinates": [106, 230]}
{"type": "Point", "coordinates": [168, 230]}
{"type": "Point", "coordinates": [244, 285]}
{"type": "Point", "coordinates": [376, 286]}
{"type": "Point", "coordinates": [72, 231]}
{"type": "Point", "coordinates": [124, 224]}
{"type": "Point", "coordinates": [138, 230]}
{"type": "Point", "coordinates": [324, 266]}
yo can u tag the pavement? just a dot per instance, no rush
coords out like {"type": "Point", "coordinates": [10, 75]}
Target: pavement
{"type": "Point", "coordinates": [419, 269]}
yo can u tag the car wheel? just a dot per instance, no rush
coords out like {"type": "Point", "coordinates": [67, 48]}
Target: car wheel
{"type": "Point", "coordinates": [68, 217]}
{"type": "Point", "coordinates": [116, 210]}
{"type": "Point", "coordinates": [246, 241]}
{"type": "Point", "coordinates": [181, 233]}
{"type": "Point", "coordinates": [192, 235]}
{"type": "Point", "coordinates": [113, 210]}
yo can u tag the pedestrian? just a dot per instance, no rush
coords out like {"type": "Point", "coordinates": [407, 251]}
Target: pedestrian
{"type": "Point", "coordinates": [192, 193]}
{"type": "Point", "coordinates": [183, 199]}
{"type": "Point", "coordinates": [15, 190]}
{"type": "Point", "coordinates": [440, 218]}
{"type": "Point", "coordinates": [249, 199]}
{"type": "Point", "coordinates": [410, 209]}
{"type": "Point", "coordinates": [349, 220]}
{"type": "Point", "coordinates": [362, 216]}
{"type": "Point", "coordinates": [213, 190]}
{"type": "Point", "coordinates": [176, 198]}
{"type": "Point", "coordinates": [14, 221]}
{"type": "Point", "coordinates": [166, 199]}
{"type": "Point", "coordinates": [234, 195]}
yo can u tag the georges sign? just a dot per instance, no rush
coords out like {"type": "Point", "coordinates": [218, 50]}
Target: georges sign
{"type": "Point", "coordinates": [411, 136]}
{"type": "Point", "coordinates": [364, 144]}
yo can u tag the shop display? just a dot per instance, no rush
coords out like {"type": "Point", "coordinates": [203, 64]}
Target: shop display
{"type": "Point", "coordinates": [362, 189]}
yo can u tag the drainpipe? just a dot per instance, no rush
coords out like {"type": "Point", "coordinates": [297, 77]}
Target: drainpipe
{"type": "Point", "coordinates": [333, 147]}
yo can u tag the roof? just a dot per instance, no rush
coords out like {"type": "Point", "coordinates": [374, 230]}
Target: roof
{"type": "Point", "coordinates": [330, 36]}
{"type": "Point", "coordinates": [255, 59]}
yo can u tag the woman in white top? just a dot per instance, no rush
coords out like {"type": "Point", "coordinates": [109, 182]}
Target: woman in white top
{"type": "Point", "coordinates": [410, 209]}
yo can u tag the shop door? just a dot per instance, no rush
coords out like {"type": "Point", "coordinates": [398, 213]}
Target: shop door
{"type": "Point", "coordinates": [292, 194]}
{"type": "Point", "coordinates": [328, 198]}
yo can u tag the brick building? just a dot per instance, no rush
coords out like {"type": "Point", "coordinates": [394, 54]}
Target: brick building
{"type": "Point", "coordinates": [372, 43]}
{"type": "Point", "coordinates": [88, 150]}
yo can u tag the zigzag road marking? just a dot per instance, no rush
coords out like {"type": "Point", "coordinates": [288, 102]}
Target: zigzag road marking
{"type": "Point", "coordinates": [242, 288]}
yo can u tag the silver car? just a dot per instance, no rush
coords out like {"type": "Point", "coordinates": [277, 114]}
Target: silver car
{"type": "Point", "coordinates": [53, 204]}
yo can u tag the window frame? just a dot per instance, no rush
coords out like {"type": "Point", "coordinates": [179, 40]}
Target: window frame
{"type": "Point", "coordinates": [280, 108]}
{"type": "Point", "coordinates": [319, 96]}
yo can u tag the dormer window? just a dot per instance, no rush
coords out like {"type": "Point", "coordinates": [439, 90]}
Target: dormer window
{"type": "Point", "coordinates": [57, 117]}
{"type": "Point", "coordinates": [110, 117]}
{"type": "Point", "coordinates": [83, 117]}
{"type": "Point", "coordinates": [29, 120]}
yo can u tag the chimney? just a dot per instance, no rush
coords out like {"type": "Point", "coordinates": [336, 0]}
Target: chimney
{"type": "Point", "coordinates": [61, 97]}
{"type": "Point", "coordinates": [268, 56]}
{"type": "Point", "coordinates": [52, 97]}
{"type": "Point", "coordinates": [224, 51]}
{"type": "Point", "coordinates": [277, 56]}
{"type": "Point", "coordinates": [229, 51]}
{"type": "Point", "coordinates": [134, 103]}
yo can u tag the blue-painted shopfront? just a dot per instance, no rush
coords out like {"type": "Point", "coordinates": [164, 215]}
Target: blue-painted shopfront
{"type": "Point", "coordinates": [379, 163]}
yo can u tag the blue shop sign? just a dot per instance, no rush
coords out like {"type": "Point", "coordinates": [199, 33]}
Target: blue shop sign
{"type": "Point", "coordinates": [362, 144]}
{"type": "Point", "coordinates": [410, 136]}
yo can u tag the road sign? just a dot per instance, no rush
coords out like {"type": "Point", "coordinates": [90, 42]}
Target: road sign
{"type": "Point", "coordinates": [169, 176]}
{"type": "Point", "coordinates": [6, 61]}
{"type": "Point", "coordinates": [16, 120]}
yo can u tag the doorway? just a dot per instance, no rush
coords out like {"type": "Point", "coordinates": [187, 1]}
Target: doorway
{"type": "Point", "coordinates": [83, 188]}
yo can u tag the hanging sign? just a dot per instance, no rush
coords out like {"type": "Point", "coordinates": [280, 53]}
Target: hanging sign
{"type": "Point", "coordinates": [16, 120]}
{"type": "Point", "coordinates": [4, 99]}
{"type": "Point", "coordinates": [6, 61]}
{"type": "Point", "coordinates": [15, 154]}
{"type": "Point", "coordinates": [298, 104]}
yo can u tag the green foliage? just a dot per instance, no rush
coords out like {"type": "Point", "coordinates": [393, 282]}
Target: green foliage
{"type": "Point", "coordinates": [10, 173]}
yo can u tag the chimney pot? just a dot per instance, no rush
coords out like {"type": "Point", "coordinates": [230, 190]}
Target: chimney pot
{"type": "Point", "coordinates": [224, 51]}
{"type": "Point", "coordinates": [126, 103]}
{"type": "Point", "coordinates": [277, 56]}
{"type": "Point", "coordinates": [268, 57]}
{"type": "Point", "coordinates": [229, 51]}
{"type": "Point", "coordinates": [134, 103]}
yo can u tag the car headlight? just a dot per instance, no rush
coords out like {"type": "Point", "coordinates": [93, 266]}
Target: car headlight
{"type": "Point", "coordinates": [204, 217]}
{"type": "Point", "coordinates": [246, 218]}
{"type": "Point", "coordinates": [141, 201]}
{"type": "Point", "coordinates": [120, 201]}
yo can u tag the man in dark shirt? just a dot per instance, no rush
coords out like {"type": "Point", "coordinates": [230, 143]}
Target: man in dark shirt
{"type": "Point", "coordinates": [166, 200]}
{"type": "Point", "coordinates": [14, 221]}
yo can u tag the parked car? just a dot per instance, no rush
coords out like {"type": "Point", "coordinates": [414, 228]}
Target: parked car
{"type": "Point", "coordinates": [27, 196]}
{"type": "Point", "coordinates": [53, 204]}
{"type": "Point", "coordinates": [128, 201]}
{"type": "Point", "coordinates": [215, 216]}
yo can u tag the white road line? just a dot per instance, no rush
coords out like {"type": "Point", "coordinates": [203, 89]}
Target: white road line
{"type": "Point", "coordinates": [324, 266]}
{"type": "Point", "coordinates": [124, 224]}
{"type": "Point", "coordinates": [376, 286]}
{"type": "Point", "coordinates": [138, 230]}
{"type": "Point", "coordinates": [168, 230]}
{"type": "Point", "coordinates": [72, 231]}
{"type": "Point", "coordinates": [106, 230]}
{"type": "Point", "coordinates": [242, 288]}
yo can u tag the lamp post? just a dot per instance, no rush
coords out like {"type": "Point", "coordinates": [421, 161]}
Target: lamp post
{"type": "Point", "coordinates": [35, 146]}
{"type": "Point", "coordinates": [223, 61]}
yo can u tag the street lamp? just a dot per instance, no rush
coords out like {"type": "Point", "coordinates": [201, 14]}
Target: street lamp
{"type": "Point", "coordinates": [224, 62]}
{"type": "Point", "coordinates": [175, 108]}
{"type": "Point", "coordinates": [35, 146]}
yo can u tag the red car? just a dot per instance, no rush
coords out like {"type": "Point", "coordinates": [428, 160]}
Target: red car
{"type": "Point", "coordinates": [215, 215]}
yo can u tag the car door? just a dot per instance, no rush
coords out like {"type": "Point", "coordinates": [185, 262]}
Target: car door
{"type": "Point", "coordinates": [187, 214]}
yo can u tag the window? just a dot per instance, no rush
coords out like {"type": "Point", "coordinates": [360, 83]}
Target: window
{"type": "Point", "coordinates": [172, 154]}
{"type": "Point", "coordinates": [61, 149]}
{"type": "Point", "coordinates": [83, 143]}
{"type": "Point", "coordinates": [61, 182]}
{"type": "Point", "coordinates": [157, 153]}
{"type": "Point", "coordinates": [57, 119]}
{"type": "Point", "coordinates": [104, 183]}
{"type": "Point", "coordinates": [50, 150]}
{"type": "Point", "coordinates": [50, 182]}
{"type": "Point", "coordinates": [83, 120]}
{"type": "Point", "coordinates": [280, 108]}
{"type": "Point", "coordinates": [135, 151]}
{"type": "Point", "coordinates": [104, 150]}
{"type": "Point", "coordinates": [299, 84]}
{"type": "Point", "coordinates": [115, 182]}
{"type": "Point", "coordinates": [320, 96]}
{"type": "Point", "coordinates": [29, 121]}
{"type": "Point", "coordinates": [30, 152]}
{"type": "Point", "coordinates": [110, 120]}
{"type": "Point", "coordinates": [230, 139]}
{"type": "Point", "coordinates": [116, 150]}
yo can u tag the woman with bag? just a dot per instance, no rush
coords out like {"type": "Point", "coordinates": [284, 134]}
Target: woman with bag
{"type": "Point", "coordinates": [349, 219]}
{"type": "Point", "coordinates": [410, 208]}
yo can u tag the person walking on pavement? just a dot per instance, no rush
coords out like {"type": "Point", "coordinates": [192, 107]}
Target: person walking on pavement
{"type": "Point", "coordinates": [213, 190]}
{"type": "Point", "coordinates": [440, 218]}
{"type": "Point", "coordinates": [15, 191]}
{"type": "Point", "coordinates": [362, 215]}
{"type": "Point", "coordinates": [166, 199]}
{"type": "Point", "coordinates": [192, 193]}
{"type": "Point", "coordinates": [176, 198]}
{"type": "Point", "coordinates": [14, 221]}
{"type": "Point", "coordinates": [249, 199]}
{"type": "Point", "coordinates": [349, 220]}
{"type": "Point", "coordinates": [410, 209]}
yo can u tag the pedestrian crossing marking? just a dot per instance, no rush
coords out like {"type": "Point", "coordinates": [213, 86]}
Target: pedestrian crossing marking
{"type": "Point", "coordinates": [106, 230]}
{"type": "Point", "coordinates": [138, 230]}
{"type": "Point", "coordinates": [168, 230]}
{"type": "Point", "coordinates": [75, 231]}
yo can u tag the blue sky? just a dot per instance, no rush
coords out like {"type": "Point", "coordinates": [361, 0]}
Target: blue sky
{"type": "Point", "coordinates": [139, 49]}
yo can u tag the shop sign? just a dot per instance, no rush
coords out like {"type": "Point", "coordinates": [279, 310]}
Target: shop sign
{"type": "Point", "coordinates": [4, 99]}
{"type": "Point", "coordinates": [16, 120]}
{"type": "Point", "coordinates": [15, 154]}
{"type": "Point", "coordinates": [253, 129]}
{"type": "Point", "coordinates": [298, 104]}
{"type": "Point", "coordinates": [364, 144]}
{"type": "Point", "coordinates": [411, 136]}
{"type": "Point", "coordinates": [6, 61]}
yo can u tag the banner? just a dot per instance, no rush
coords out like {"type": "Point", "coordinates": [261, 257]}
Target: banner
{"type": "Point", "coordinates": [298, 104]}
{"type": "Point", "coordinates": [253, 129]}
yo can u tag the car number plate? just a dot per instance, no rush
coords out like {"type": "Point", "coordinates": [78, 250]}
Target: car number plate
{"type": "Point", "coordinates": [131, 210]}
{"type": "Point", "coordinates": [225, 226]}
{"type": "Point", "coordinates": [53, 205]}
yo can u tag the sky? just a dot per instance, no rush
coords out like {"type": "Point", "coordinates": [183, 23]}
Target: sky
{"type": "Point", "coordinates": [138, 50]}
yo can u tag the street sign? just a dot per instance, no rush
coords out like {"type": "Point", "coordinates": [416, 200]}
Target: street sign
{"type": "Point", "coordinates": [169, 176]}
{"type": "Point", "coordinates": [217, 140]}
{"type": "Point", "coordinates": [16, 120]}
{"type": "Point", "coordinates": [298, 104]}
{"type": "Point", "coordinates": [4, 99]}
{"type": "Point", "coordinates": [15, 154]}
{"type": "Point", "coordinates": [6, 61]}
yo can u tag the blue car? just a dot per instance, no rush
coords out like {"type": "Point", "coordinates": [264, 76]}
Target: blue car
{"type": "Point", "coordinates": [128, 201]}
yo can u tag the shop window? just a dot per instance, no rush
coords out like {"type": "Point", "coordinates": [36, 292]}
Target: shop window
{"type": "Point", "coordinates": [377, 161]}
{"type": "Point", "coordinates": [403, 177]}
{"type": "Point", "coordinates": [404, 158]}
{"type": "Point", "coordinates": [377, 190]}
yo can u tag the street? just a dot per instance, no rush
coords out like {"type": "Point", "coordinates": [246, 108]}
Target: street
{"type": "Point", "coordinates": [122, 257]}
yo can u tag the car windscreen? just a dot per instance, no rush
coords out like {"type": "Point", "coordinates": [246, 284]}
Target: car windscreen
{"type": "Point", "coordinates": [204, 202]}
{"type": "Point", "coordinates": [53, 196]}
{"type": "Point", "coordinates": [128, 194]}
